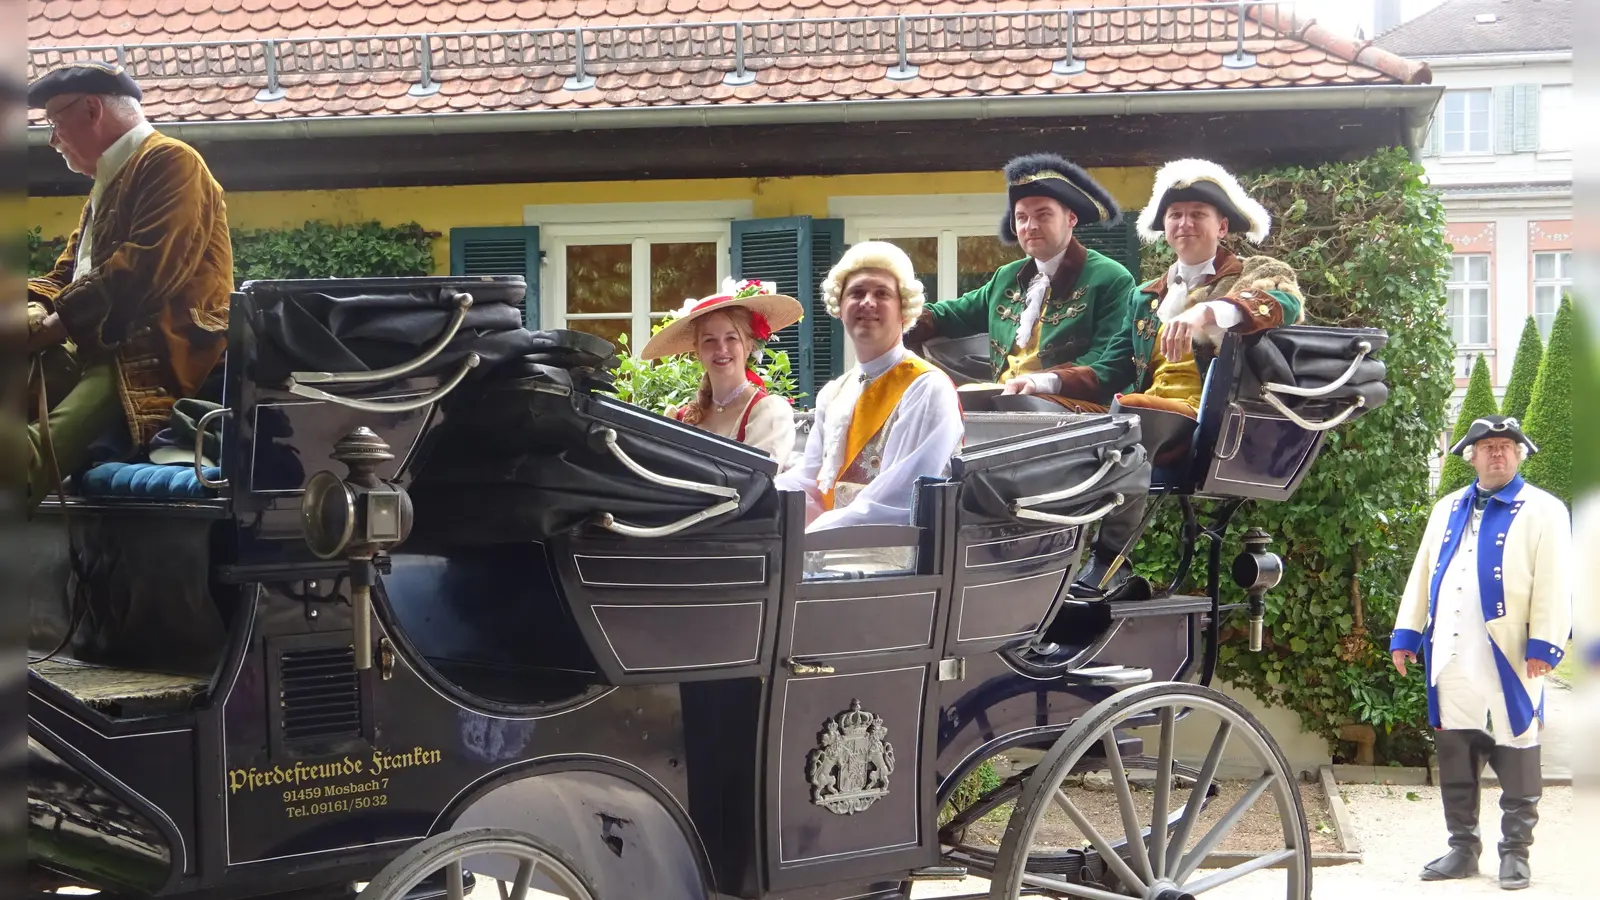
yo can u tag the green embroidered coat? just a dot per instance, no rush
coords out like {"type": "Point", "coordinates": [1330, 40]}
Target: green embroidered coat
{"type": "Point", "coordinates": [1086, 313]}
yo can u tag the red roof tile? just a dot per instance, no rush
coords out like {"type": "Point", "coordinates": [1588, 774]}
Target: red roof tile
{"type": "Point", "coordinates": [995, 55]}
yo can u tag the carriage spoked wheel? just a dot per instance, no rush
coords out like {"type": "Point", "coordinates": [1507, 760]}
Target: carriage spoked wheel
{"type": "Point", "coordinates": [1130, 858]}
{"type": "Point", "coordinates": [519, 865]}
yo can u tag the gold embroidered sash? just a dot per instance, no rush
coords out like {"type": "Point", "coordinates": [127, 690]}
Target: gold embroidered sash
{"type": "Point", "coordinates": [873, 409]}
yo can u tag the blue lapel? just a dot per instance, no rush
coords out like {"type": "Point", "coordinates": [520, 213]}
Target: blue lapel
{"type": "Point", "coordinates": [1497, 516]}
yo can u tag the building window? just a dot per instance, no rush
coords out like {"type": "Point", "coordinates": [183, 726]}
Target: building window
{"type": "Point", "coordinates": [1468, 307]}
{"type": "Point", "coordinates": [1466, 122]}
{"type": "Point", "coordinates": [610, 287]}
{"type": "Point", "coordinates": [1555, 122]}
{"type": "Point", "coordinates": [1552, 278]}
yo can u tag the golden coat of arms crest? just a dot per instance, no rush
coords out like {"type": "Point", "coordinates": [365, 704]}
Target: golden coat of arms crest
{"type": "Point", "coordinates": [850, 769]}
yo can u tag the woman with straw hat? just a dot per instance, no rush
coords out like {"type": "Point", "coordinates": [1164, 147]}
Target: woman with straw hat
{"type": "Point", "coordinates": [724, 331]}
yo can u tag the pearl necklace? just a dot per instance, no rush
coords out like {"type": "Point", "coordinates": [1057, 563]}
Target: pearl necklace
{"type": "Point", "coordinates": [723, 404]}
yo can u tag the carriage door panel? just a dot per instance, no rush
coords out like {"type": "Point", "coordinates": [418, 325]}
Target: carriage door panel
{"type": "Point", "coordinates": [850, 728]}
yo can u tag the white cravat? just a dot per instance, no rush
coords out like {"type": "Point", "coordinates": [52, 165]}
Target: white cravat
{"type": "Point", "coordinates": [1036, 292]}
{"type": "Point", "coordinates": [1181, 279]}
{"type": "Point", "coordinates": [111, 162]}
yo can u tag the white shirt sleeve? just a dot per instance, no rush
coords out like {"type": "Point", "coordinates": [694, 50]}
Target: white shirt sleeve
{"type": "Point", "coordinates": [1226, 313]}
{"type": "Point", "coordinates": [770, 427]}
{"type": "Point", "coordinates": [803, 475]}
{"type": "Point", "coordinates": [924, 432]}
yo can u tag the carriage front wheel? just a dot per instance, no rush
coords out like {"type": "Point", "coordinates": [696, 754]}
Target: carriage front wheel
{"type": "Point", "coordinates": [461, 864]}
{"type": "Point", "coordinates": [1137, 858]}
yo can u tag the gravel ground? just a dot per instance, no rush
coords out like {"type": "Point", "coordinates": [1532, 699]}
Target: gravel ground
{"type": "Point", "coordinates": [1259, 830]}
{"type": "Point", "coordinates": [1398, 836]}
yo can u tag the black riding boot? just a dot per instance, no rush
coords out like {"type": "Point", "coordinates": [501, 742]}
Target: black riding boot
{"type": "Point", "coordinates": [1119, 531]}
{"type": "Point", "coordinates": [1461, 754]}
{"type": "Point", "coordinates": [1521, 785]}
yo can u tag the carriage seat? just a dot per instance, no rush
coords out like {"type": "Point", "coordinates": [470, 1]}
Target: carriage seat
{"type": "Point", "coordinates": [147, 481]}
{"type": "Point", "coordinates": [1266, 404]}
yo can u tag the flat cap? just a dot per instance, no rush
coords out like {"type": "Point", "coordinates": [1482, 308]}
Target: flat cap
{"type": "Point", "coordinates": [82, 78]}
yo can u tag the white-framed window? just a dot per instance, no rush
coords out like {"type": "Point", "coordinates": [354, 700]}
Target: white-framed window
{"type": "Point", "coordinates": [951, 239]}
{"type": "Point", "coordinates": [1555, 122]}
{"type": "Point", "coordinates": [1467, 122]}
{"type": "Point", "coordinates": [1467, 294]}
{"type": "Point", "coordinates": [1552, 277]}
{"type": "Point", "coordinates": [615, 269]}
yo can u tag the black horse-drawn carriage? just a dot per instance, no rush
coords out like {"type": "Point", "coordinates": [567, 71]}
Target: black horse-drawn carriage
{"type": "Point", "coordinates": [539, 639]}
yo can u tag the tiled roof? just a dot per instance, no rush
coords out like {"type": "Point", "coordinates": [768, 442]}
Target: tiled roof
{"type": "Point", "coordinates": [342, 58]}
{"type": "Point", "coordinates": [1452, 28]}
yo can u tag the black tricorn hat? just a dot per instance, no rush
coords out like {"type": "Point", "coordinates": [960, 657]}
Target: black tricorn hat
{"type": "Point", "coordinates": [82, 78]}
{"type": "Point", "coordinates": [1048, 175]}
{"type": "Point", "coordinates": [1493, 426]}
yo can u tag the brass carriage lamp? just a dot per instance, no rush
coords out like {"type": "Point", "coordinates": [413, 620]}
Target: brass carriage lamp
{"type": "Point", "coordinates": [1257, 570]}
{"type": "Point", "coordinates": [356, 517]}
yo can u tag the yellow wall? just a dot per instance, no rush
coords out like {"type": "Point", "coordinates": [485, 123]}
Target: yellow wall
{"type": "Point", "coordinates": [442, 208]}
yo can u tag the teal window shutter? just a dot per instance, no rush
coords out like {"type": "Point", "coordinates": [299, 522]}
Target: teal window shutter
{"type": "Point", "coordinates": [1505, 119]}
{"type": "Point", "coordinates": [1119, 241]}
{"type": "Point", "coordinates": [1430, 140]}
{"type": "Point", "coordinates": [796, 252]}
{"type": "Point", "coordinates": [1525, 115]}
{"type": "Point", "coordinates": [508, 250]}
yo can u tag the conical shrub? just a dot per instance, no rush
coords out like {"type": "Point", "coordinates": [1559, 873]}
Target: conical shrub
{"type": "Point", "coordinates": [1524, 371]}
{"type": "Point", "coordinates": [1549, 420]}
{"type": "Point", "coordinates": [1479, 401]}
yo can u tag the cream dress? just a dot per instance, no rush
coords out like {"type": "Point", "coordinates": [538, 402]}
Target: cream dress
{"type": "Point", "coordinates": [765, 422]}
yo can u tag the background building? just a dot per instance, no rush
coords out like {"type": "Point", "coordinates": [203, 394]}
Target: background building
{"type": "Point", "coordinates": [1500, 151]}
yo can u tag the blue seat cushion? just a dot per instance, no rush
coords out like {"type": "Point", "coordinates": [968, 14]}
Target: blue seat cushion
{"type": "Point", "coordinates": [146, 481]}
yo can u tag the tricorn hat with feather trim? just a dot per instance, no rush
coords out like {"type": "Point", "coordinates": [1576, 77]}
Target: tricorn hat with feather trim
{"type": "Point", "coordinates": [1048, 175]}
{"type": "Point", "coordinates": [1206, 182]}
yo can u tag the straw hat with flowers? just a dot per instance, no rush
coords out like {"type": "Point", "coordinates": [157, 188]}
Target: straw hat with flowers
{"type": "Point", "coordinates": [770, 312]}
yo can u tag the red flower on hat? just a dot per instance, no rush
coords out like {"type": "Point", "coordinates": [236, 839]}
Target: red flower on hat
{"type": "Point", "coordinates": [759, 326]}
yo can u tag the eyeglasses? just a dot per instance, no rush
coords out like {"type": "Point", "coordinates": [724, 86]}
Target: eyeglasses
{"type": "Point", "coordinates": [54, 120]}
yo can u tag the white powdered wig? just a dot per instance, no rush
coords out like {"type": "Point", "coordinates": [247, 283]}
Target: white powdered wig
{"type": "Point", "coordinates": [1184, 173]}
{"type": "Point", "coordinates": [1466, 452]}
{"type": "Point", "coordinates": [877, 255]}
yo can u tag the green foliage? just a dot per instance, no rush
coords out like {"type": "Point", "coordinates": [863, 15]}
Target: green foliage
{"type": "Point", "coordinates": [1479, 401]}
{"type": "Point", "coordinates": [1366, 238]}
{"type": "Point", "coordinates": [1524, 370]}
{"type": "Point", "coordinates": [978, 782]}
{"type": "Point", "coordinates": [324, 250]}
{"type": "Point", "coordinates": [1549, 422]}
{"type": "Point", "coordinates": [314, 250]}
{"type": "Point", "coordinates": [659, 384]}
{"type": "Point", "coordinates": [42, 252]}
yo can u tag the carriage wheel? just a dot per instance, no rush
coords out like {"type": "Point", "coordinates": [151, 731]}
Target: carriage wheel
{"type": "Point", "coordinates": [444, 860]}
{"type": "Point", "coordinates": [1155, 863]}
{"type": "Point", "coordinates": [962, 847]}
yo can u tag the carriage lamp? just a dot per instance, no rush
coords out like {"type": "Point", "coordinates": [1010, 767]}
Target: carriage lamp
{"type": "Point", "coordinates": [356, 517]}
{"type": "Point", "coordinates": [1257, 570]}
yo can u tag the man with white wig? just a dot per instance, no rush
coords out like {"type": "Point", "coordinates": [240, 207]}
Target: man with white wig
{"type": "Point", "coordinates": [1489, 605]}
{"type": "Point", "coordinates": [1176, 325]}
{"type": "Point", "coordinates": [890, 419]}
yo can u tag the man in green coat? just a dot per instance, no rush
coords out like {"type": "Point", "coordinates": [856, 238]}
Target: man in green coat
{"type": "Point", "coordinates": [1052, 316]}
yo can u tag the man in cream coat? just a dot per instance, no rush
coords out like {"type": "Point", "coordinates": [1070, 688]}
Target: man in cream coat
{"type": "Point", "coordinates": [1489, 603]}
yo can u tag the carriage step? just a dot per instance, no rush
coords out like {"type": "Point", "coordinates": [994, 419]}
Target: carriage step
{"type": "Point", "coordinates": [938, 873]}
{"type": "Point", "coordinates": [1108, 676]}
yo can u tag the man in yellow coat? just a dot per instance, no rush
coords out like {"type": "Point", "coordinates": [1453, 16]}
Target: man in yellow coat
{"type": "Point", "coordinates": [134, 315]}
{"type": "Point", "coordinates": [1489, 605]}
